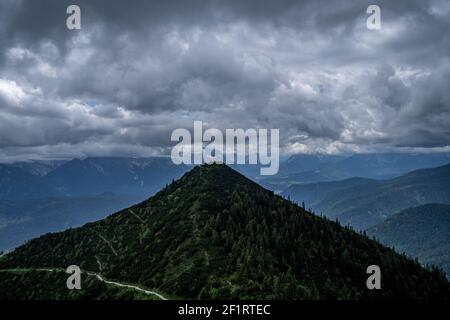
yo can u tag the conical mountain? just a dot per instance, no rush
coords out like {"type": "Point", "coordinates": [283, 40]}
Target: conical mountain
{"type": "Point", "coordinates": [216, 234]}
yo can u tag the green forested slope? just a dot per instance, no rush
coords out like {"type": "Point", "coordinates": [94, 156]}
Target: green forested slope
{"type": "Point", "coordinates": [422, 232]}
{"type": "Point", "coordinates": [43, 285]}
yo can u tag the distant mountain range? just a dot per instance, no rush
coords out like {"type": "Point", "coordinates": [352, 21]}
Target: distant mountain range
{"type": "Point", "coordinates": [38, 167]}
{"type": "Point", "coordinates": [21, 220]}
{"type": "Point", "coordinates": [144, 176]}
{"type": "Point", "coordinates": [90, 176]}
{"type": "Point", "coordinates": [42, 196]}
{"type": "Point", "coordinates": [216, 234]}
{"type": "Point", "coordinates": [136, 176]}
{"type": "Point", "coordinates": [301, 169]}
{"type": "Point", "coordinates": [363, 203]}
{"type": "Point", "coordinates": [422, 232]}
{"type": "Point", "coordinates": [18, 184]}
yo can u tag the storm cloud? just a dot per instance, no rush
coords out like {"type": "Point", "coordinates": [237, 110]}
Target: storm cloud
{"type": "Point", "coordinates": [139, 69]}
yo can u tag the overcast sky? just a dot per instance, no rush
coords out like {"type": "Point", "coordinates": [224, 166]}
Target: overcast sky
{"type": "Point", "coordinates": [139, 69]}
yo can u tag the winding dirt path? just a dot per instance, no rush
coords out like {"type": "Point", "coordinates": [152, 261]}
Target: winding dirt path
{"type": "Point", "coordinates": [99, 277]}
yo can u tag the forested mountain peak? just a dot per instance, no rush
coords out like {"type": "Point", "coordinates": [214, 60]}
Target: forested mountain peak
{"type": "Point", "coordinates": [216, 234]}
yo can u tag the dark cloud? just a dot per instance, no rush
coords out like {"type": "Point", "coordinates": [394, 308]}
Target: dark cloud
{"type": "Point", "coordinates": [137, 70]}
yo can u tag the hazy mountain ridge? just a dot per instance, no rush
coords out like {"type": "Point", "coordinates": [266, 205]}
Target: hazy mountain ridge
{"type": "Point", "coordinates": [305, 169]}
{"type": "Point", "coordinates": [363, 203]}
{"type": "Point", "coordinates": [21, 220]}
{"type": "Point", "coordinates": [38, 167]}
{"type": "Point", "coordinates": [216, 234]}
{"type": "Point", "coordinates": [422, 232]}
{"type": "Point", "coordinates": [137, 176]}
{"type": "Point", "coordinates": [89, 176]}
{"type": "Point", "coordinates": [17, 184]}
{"type": "Point", "coordinates": [37, 197]}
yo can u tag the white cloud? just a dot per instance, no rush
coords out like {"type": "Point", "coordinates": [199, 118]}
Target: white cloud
{"type": "Point", "coordinates": [11, 92]}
